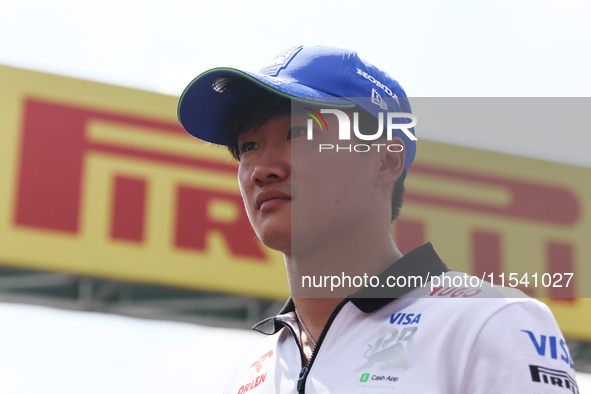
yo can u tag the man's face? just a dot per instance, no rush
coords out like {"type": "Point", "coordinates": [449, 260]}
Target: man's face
{"type": "Point", "coordinates": [296, 196]}
{"type": "Point", "coordinates": [264, 176]}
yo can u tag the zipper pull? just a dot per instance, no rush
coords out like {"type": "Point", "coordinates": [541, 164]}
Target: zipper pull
{"type": "Point", "coordinates": [302, 379]}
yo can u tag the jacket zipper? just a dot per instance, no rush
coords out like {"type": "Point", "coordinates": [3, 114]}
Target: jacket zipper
{"type": "Point", "coordinates": [297, 342]}
{"type": "Point", "coordinates": [301, 386]}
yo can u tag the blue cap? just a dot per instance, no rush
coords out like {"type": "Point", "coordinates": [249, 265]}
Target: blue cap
{"type": "Point", "coordinates": [314, 74]}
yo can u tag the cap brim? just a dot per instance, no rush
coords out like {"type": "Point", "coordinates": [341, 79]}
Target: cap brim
{"type": "Point", "coordinates": [202, 111]}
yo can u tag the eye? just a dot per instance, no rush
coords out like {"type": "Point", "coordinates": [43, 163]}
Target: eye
{"type": "Point", "coordinates": [248, 146]}
{"type": "Point", "coordinates": [296, 132]}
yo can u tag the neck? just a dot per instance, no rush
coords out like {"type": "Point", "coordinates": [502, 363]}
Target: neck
{"type": "Point", "coordinates": [315, 312]}
{"type": "Point", "coordinates": [363, 251]}
{"type": "Point", "coordinates": [317, 271]}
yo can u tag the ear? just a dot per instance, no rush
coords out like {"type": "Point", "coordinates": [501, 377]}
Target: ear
{"type": "Point", "coordinates": [391, 162]}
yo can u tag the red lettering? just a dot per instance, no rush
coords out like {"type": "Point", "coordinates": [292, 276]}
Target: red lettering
{"type": "Point", "coordinates": [472, 293]}
{"type": "Point", "coordinates": [54, 145]}
{"type": "Point", "coordinates": [258, 363]}
{"type": "Point", "coordinates": [50, 168]}
{"type": "Point", "coordinates": [436, 290]}
{"type": "Point", "coordinates": [533, 201]}
{"type": "Point", "coordinates": [560, 260]}
{"type": "Point", "coordinates": [446, 291]}
{"type": "Point", "coordinates": [269, 354]}
{"type": "Point", "coordinates": [193, 223]}
{"type": "Point", "coordinates": [257, 381]}
{"type": "Point", "coordinates": [486, 253]}
{"type": "Point", "coordinates": [128, 209]}
{"type": "Point", "coordinates": [458, 292]}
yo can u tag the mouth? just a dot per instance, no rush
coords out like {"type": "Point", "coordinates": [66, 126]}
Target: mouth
{"type": "Point", "coordinates": [271, 198]}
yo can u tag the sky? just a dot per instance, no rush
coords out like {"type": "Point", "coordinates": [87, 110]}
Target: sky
{"type": "Point", "coordinates": [433, 48]}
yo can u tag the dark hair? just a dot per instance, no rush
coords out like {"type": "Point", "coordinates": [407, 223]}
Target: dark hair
{"type": "Point", "coordinates": [259, 105]}
{"type": "Point", "coordinates": [251, 113]}
{"type": "Point", "coordinates": [398, 196]}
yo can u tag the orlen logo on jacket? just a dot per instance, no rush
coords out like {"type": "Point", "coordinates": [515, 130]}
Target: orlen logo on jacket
{"type": "Point", "coordinates": [344, 124]}
{"type": "Point", "coordinates": [258, 365]}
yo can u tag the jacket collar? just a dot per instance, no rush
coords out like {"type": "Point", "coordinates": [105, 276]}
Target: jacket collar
{"type": "Point", "coordinates": [420, 262]}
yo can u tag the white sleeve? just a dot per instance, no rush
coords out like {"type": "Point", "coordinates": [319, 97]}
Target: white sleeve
{"type": "Point", "coordinates": [520, 349]}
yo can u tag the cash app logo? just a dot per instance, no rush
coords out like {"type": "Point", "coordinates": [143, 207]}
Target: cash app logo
{"type": "Point", "coordinates": [364, 377]}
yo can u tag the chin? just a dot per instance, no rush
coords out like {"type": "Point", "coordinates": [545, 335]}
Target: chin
{"type": "Point", "coordinates": [278, 242]}
{"type": "Point", "coordinates": [276, 236]}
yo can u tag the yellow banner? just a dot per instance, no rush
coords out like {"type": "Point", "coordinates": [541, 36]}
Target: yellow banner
{"type": "Point", "coordinates": [493, 215]}
{"type": "Point", "coordinates": [101, 180]}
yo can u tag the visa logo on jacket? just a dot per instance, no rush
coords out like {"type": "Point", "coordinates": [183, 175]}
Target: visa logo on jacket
{"type": "Point", "coordinates": [541, 348]}
{"type": "Point", "coordinates": [404, 318]}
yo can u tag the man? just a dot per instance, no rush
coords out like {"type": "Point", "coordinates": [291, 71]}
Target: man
{"type": "Point", "coordinates": [322, 186]}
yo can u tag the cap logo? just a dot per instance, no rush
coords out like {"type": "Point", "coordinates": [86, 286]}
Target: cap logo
{"type": "Point", "coordinates": [380, 85]}
{"type": "Point", "coordinates": [281, 61]}
{"type": "Point", "coordinates": [378, 100]}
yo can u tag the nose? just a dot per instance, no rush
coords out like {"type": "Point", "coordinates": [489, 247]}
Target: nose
{"type": "Point", "coordinates": [273, 166]}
